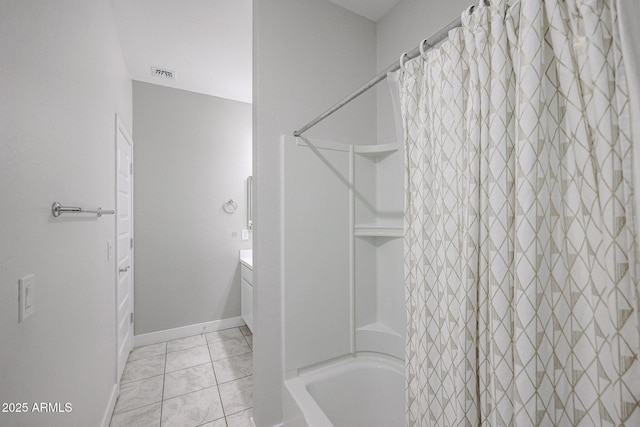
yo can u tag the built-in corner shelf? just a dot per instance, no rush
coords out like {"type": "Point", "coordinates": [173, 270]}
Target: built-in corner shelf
{"type": "Point", "coordinates": [380, 338]}
{"type": "Point", "coordinates": [378, 230]}
{"type": "Point", "coordinates": [377, 150]}
{"type": "Point", "coordinates": [377, 327]}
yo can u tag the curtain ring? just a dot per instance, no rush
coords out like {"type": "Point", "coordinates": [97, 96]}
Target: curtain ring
{"type": "Point", "coordinates": [230, 206]}
{"type": "Point", "coordinates": [402, 61]}
{"type": "Point", "coordinates": [423, 53]}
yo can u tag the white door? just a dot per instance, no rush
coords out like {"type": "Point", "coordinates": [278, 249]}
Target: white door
{"type": "Point", "coordinates": [124, 245]}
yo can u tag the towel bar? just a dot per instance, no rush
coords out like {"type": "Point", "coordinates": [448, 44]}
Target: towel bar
{"type": "Point", "coordinates": [57, 209]}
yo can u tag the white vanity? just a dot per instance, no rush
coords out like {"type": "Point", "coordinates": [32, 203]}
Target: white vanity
{"type": "Point", "coordinates": [246, 286]}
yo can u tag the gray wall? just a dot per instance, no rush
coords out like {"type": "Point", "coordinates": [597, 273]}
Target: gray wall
{"type": "Point", "coordinates": [308, 54]}
{"type": "Point", "coordinates": [192, 153]}
{"type": "Point", "coordinates": [62, 80]}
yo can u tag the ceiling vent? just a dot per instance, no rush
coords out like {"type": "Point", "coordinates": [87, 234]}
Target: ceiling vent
{"type": "Point", "coordinates": [163, 73]}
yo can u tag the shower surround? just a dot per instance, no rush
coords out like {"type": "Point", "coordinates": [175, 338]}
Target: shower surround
{"type": "Point", "coordinates": [344, 314]}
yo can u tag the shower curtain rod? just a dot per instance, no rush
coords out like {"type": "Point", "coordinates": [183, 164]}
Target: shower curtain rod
{"type": "Point", "coordinates": [427, 44]}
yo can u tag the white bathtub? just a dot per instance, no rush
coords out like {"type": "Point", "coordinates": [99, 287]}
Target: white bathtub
{"type": "Point", "coordinates": [362, 391]}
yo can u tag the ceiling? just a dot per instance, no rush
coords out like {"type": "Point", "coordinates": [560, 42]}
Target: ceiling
{"type": "Point", "coordinates": [206, 43]}
{"type": "Point", "coordinates": [370, 9]}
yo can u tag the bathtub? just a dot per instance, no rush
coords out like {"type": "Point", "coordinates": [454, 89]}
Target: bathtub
{"type": "Point", "coordinates": [365, 390]}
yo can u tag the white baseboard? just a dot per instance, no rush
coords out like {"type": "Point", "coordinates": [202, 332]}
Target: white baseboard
{"type": "Point", "coordinates": [186, 331]}
{"type": "Point", "coordinates": [253, 423]}
{"type": "Point", "coordinates": [106, 419]}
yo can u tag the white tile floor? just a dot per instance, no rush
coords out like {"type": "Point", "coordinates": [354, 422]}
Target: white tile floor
{"type": "Point", "coordinates": [204, 380]}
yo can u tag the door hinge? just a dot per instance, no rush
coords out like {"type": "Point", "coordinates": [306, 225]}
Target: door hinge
{"type": "Point", "coordinates": [131, 243]}
{"type": "Point", "coordinates": [131, 317]}
{"type": "Point", "coordinates": [130, 168]}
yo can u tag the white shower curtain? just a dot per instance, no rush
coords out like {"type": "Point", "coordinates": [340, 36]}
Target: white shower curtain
{"type": "Point", "coordinates": [521, 269]}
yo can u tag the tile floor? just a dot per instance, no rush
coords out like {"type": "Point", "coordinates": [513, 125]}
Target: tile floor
{"type": "Point", "coordinates": [203, 380]}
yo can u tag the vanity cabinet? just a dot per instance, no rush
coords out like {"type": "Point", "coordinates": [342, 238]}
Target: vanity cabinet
{"type": "Point", "coordinates": [246, 293]}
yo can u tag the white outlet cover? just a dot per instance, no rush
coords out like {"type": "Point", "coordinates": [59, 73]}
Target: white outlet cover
{"type": "Point", "coordinates": [26, 297]}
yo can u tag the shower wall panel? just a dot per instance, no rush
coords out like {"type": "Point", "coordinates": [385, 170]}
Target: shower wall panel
{"type": "Point", "coordinates": [316, 252]}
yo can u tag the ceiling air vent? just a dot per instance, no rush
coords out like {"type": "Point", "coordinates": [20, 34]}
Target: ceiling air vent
{"type": "Point", "coordinates": [163, 73]}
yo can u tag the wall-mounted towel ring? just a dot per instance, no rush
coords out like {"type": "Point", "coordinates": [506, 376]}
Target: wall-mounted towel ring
{"type": "Point", "coordinates": [230, 206]}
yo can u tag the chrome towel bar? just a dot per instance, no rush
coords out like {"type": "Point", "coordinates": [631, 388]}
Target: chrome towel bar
{"type": "Point", "coordinates": [57, 209]}
{"type": "Point", "coordinates": [250, 202]}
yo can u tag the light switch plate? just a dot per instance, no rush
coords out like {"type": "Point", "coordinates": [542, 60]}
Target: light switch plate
{"type": "Point", "coordinates": [26, 297]}
{"type": "Point", "coordinates": [245, 234]}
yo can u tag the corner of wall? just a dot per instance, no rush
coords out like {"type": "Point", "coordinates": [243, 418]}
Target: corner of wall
{"type": "Point", "coordinates": [61, 90]}
{"type": "Point", "coordinates": [308, 55]}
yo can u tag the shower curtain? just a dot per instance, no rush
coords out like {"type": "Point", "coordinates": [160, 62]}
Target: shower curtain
{"type": "Point", "coordinates": [521, 266]}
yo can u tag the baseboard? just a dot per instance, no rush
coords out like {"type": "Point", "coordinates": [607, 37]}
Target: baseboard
{"type": "Point", "coordinates": [253, 423]}
{"type": "Point", "coordinates": [106, 419]}
{"type": "Point", "coordinates": [186, 331]}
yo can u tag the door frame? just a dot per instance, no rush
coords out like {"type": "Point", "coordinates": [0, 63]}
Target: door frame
{"type": "Point", "coordinates": [121, 128]}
